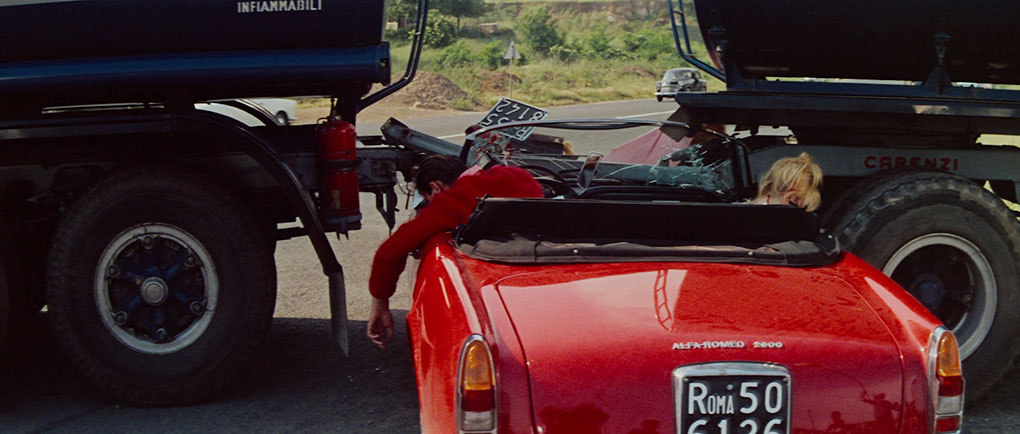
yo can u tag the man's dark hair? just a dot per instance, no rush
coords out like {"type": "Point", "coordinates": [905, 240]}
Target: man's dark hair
{"type": "Point", "coordinates": [445, 168]}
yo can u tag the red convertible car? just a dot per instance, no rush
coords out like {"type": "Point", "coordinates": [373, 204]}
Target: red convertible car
{"type": "Point", "coordinates": [640, 299]}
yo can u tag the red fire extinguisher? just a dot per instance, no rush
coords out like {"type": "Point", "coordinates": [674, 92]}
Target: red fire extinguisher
{"type": "Point", "coordinates": [338, 166]}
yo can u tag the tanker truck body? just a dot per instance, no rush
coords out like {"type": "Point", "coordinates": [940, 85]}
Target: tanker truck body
{"type": "Point", "coordinates": [871, 90]}
{"type": "Point", "coordinates": [148, 227]}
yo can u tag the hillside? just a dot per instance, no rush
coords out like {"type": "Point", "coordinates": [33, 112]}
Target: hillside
{"type": "Point", "coordinates": [572, 52]}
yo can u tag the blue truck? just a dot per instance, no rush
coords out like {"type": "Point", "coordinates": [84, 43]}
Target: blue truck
{"type": "Point", "coordinates": [885, 97]}
{"type": "Point", "coordinates": [147, 227]}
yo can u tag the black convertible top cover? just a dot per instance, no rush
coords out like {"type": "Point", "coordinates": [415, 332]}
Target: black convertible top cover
{"type": "Point", "coordinates": [571, 231]}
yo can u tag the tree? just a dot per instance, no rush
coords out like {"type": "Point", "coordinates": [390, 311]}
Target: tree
{"type": "Point", "coordinates": [439, 31]}
{"type": "Point", "coordinates": [539, 31]}
{"type": "Point", "coordinates": [461, 8]}
{"type": "Point", "coordinates": [402, 11]}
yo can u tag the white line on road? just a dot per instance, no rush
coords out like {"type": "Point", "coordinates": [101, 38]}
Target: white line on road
{"type": "Point", "coordinates": [643, 115]}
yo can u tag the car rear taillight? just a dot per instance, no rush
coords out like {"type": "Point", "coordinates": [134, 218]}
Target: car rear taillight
{"type": "Point", "coordinates": [945, 382]}
{"type": "Point", "coordinates": [476, 388]}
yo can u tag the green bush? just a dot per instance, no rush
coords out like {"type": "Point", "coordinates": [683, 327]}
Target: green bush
{"type": "Point", "coordinates": [492, 54]}
{"type": "Point", "coordinates": [564, 53]}
{"type": "Point", "coordinates": [597, 45]}
{"type": "Point", "coordinates": [648, 45]}
{"type": "Point", "coordinates": [597, 40]}
{"type": "Point", "coordinates": [539, 31]}
{"type": "Point", "coordinates": [470, 32]}
{"type": "Point", "coordinates": [440, 30]}
{"type": "Point", "coordinates": [458, 54]}
{"type": "Point", "coordinates": [522, 61]}
{"type": "Point", "coordinates": [633, 41]}
{"type": "Point", "coordinates": [398, 36]}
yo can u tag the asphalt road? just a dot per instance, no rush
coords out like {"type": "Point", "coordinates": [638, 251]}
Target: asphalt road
{"type": "Point", "coordinates": [299, 382]}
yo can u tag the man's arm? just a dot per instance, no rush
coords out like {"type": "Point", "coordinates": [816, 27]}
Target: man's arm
{"type": "Point", "coordinates": [444, 213]}
{"type": "Point", "coordinates": [447, 210]}
{"type": "Point", "coordinates": [391, 258]}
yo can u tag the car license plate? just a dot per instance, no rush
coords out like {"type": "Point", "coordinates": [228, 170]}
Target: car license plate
{"type": "Point", "coordinates": [733, 401]}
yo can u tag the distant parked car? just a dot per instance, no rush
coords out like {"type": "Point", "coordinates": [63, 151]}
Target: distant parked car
{"type": "Point", "coordinates": [680, 80]}
{"type": "Point", "coordinates": [283, 109]}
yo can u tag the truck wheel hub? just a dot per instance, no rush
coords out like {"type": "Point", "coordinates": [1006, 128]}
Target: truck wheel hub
{"type": "Point", "coordinates": [928, 289]}
{"type": "Point", "coordinates": [154, 291]}
{"type": "Point", "coordinates": [135, 274]}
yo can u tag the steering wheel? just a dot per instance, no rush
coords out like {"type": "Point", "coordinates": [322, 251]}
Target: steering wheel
{"type": "Point", "coordinates": [556, 186]}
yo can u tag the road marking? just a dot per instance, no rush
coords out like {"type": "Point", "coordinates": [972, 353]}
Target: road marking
{"type": "Point", "coordinates": [643, 115]}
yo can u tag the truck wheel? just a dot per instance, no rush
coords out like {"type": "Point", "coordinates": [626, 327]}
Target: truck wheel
{"type": "Point", "coordinates": [956, 248]}
{"type": "Point", "coordinates": [658, 97]}
{"type": "Point", "coordinates": [160, 285]}
{"type": "Point", "coordinates": [12, 311]}
{"type": "Point", "coordinates": [835, 209]}
{"type": "Point", "coordinates": [5, 307]}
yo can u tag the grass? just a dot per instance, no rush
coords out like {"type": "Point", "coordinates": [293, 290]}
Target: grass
{"type": "Point", "coordinates": [545, 81]}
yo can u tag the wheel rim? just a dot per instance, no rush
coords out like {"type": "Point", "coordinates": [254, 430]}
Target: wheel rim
{"type": "Point", "coordinates": [952, 278]}
{"type": "Point", "coordinates": [156, 288]}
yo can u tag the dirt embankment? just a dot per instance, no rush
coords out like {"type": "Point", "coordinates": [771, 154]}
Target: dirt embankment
{"type": "Point", "coordinates": [428, 95]}
{"type": "Point", "coordinates": [429, 90]}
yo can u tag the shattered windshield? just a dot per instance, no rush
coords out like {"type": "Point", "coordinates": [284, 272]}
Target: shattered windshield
{"type": "Point", "coordinates": [633, 153]}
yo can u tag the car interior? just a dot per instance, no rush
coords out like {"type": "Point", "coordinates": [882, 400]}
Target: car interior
{"type": "Point", "coordinates": [688, 207]}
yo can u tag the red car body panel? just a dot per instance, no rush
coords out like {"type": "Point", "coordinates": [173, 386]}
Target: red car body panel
{"type": "Point", "coordinates": [591, 347]}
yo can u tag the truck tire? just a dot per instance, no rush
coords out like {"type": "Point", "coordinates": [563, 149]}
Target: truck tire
{"type": "Point", "coordinates": [6, 323]}
{"type": "Point", "coordinates": [834, 210]}
{"type": "Point", "coordinates": [12, 312]}
{"type": "Point", "coordinates": [956, 248]}
{"type": "Point", "coordinates": [160, 285]}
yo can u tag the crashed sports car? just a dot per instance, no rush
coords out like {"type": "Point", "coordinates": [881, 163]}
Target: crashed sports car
{"type": "Point", "coordinates": [646, 298]}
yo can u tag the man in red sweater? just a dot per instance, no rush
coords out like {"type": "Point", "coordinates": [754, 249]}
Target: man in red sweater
{"type": "Point", "coordinates": [452, 200]}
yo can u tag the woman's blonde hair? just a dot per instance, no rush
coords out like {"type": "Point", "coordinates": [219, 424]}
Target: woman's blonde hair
{"type": "Point", "coordinates": [799, 175]}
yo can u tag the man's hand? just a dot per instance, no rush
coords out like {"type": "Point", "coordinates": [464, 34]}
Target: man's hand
{"type": "Point", "coordinates": [380, 322]}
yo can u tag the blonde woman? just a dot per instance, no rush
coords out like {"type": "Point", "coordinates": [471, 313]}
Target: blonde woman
{"type": "Point", "coordinates": [792, 180]}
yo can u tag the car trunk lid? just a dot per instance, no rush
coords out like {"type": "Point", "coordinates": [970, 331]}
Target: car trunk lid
{"type": "Point", "coordinates": [602, 341]}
